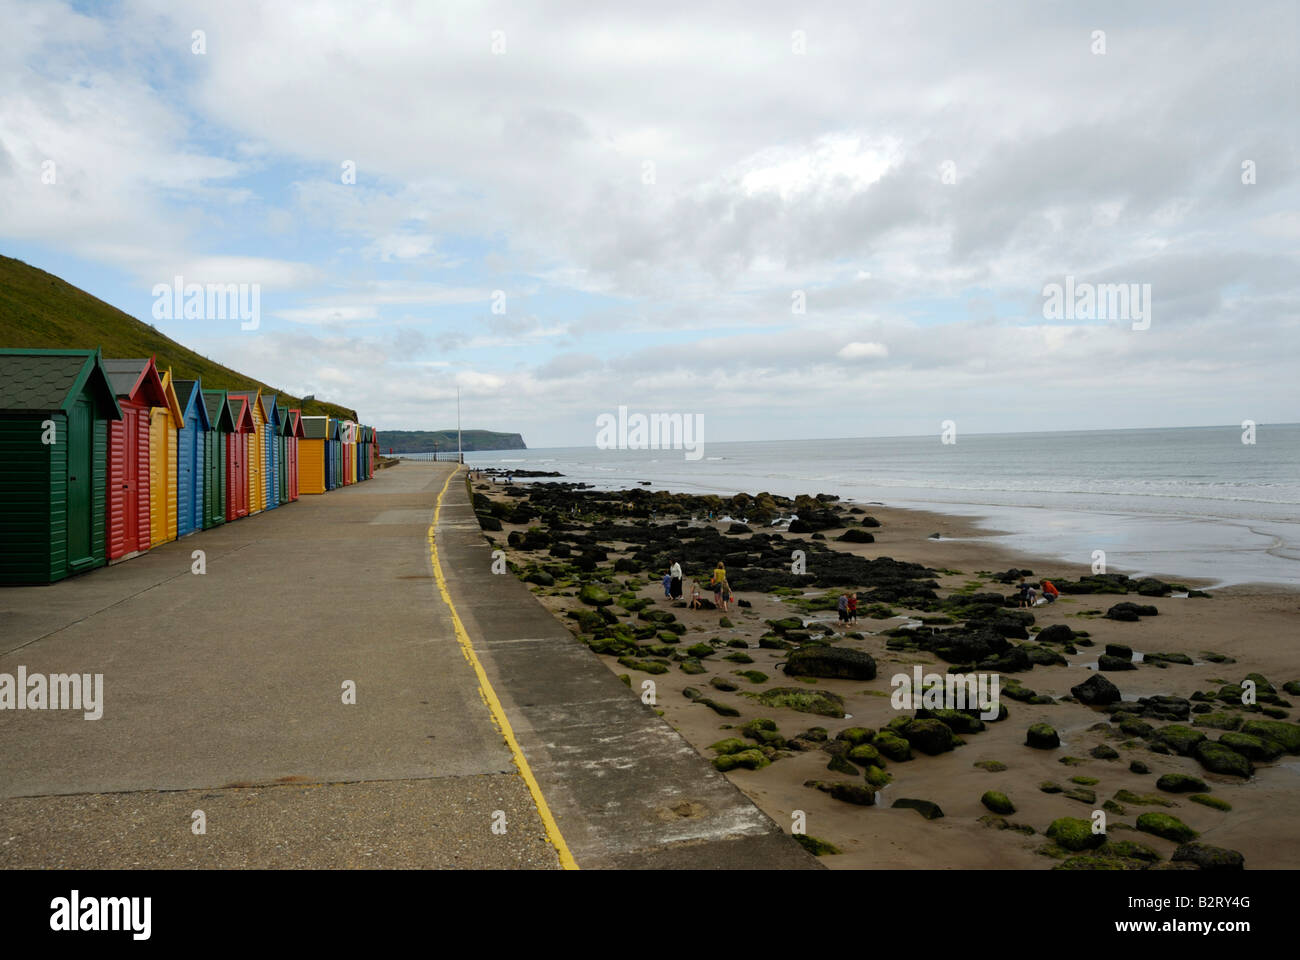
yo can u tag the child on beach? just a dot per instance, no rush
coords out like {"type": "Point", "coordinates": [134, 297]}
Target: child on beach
{"type": "Point", "coordinates": [853, 607]}
{"type": "Point", "coordinates": [668, 586]}
{"type": "Point", "coordinates": [695, 595]}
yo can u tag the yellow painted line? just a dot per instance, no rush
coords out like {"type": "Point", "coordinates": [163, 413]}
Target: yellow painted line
{"type": "Point", "coordinates": [490, 697]}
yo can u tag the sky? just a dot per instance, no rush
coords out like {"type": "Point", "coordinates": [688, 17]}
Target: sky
{"type": "Point", "coordinates": [812, 220]}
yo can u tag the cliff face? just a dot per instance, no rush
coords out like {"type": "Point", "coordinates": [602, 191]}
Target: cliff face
{"type": "Point", "coordinates": [444, 441]}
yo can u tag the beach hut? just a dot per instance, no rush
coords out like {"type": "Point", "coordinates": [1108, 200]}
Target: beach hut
{"type": "Point", "coordinates": [214, 457]}
{"type": "Point", "coordinates": [374, 450]}
{"type": "Point", "coordinates": [55, 411]}
{"type": "Point", "coordinates": [272, 428]}
{"type": "Point", "coordinates": [256, 459]}
{"type": "Point", "coordinates": [164, 421]}
{"type": "Point", "coordinates": [293, 435]}
{"type": "Point", "coordinates": [365, 453]}
{"type": "Point", "coordinates": [238, 473]}
{"type": "Point", "coordinates": [138, 387]}
{"type": "Point", "coordinates": [191, 456]}
{"type": "Point", "coordinates": [335, 435]}
{"type": "Point", "coordinates": [313, 455]}
{"type": "Point", "coordinates": [286, 431]}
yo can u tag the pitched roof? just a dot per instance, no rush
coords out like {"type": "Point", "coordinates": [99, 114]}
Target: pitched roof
{"type": "Point", "coordinates": [218, 408]}
{"type": "Point", "coordinates": [241, 412]}
{"type": "Point", "coordinates": [314, 428]}
{"type": "Point", "coordinates": [191, 392]}
{"type": "Point", "coordinates": [136, 380]}
{"type": "Point", "coordinates": [48, 380]}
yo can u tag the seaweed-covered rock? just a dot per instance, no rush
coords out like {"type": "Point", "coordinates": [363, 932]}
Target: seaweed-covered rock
{"type": "Point", "coordinates": [751, 759]}
{"type": "Point", "coordinates": [1096, 691]}
{"type": "Point", "coordinates": [1130, 612]}
{"type": "Point", "coordinates": [1074, 834]}
{"type": "Point", "coordinates": [594, 596]}
{"type": "Point", "coordinates": [1286, 735]}
{"type": "Point", "coordinates": [856, 735]}
{"type": "Point", "coordinates": [892, 746]}
{"type": "Point", "coordinates": [1103, 752]}
{"type": "Point", "coordinates": [1166, 826]}
{"type": "Point", "coordinates": [1215, 803]}
{"type": "Point", "coordinates": [866, 755]}
{"type": "Point", "coordinates": [1208, 857]}
{"type": "Point", "coordinates": [1253, 748]}
{"type": "Point", "coordinates": [1041, 736]}
{"type": "Point", "coordinates": [992, 766]}
{"type": "Point", "coordinates": [997, 802]}
{"type": "Point", "coordinates": [729, 745]}
{"type": "Point", "coordinates": [854, 535]}
{"type": "Point", "coordinates": [815, 846]}
{"type": "Point", "coordinates": [1217, 758]}
{"type": "Point", "coordinates": [931, 737]}
{"type": "Point", "coordinates": [1182, 740]}
{"type": "Point", "coordinates": [1119, 650]}
{"type": "Point", "coordinates": [1055, 633]}
{"type": "Point", "coordinates": [820, 702]}
{"type": "Point", "coordinates": [925, 808]}
{"type": "Point", "coordinates": [831, 662]}
{"type": "Point", "coordinates": [854, 793]}
{"type": "Point", "coordinates": [1181, 783]}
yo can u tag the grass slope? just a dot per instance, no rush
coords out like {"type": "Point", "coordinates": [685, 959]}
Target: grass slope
{"type": "Point", "coordinates": [422, 441]}
{"type": "Point", "coordinates": [37, 309]}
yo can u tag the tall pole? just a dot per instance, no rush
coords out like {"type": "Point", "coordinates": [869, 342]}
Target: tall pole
{"type": "Point", "coordinates": [460, 451]}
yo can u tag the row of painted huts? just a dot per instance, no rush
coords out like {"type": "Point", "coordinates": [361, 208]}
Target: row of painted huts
{"type": "Point", "coordinates": [101, 460]}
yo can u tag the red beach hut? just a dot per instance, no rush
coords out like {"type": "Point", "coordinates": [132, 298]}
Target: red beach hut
{"type": "Point", "coordinates": [237, 454]}
{"type": "Point", "coordinates": [138, 388]}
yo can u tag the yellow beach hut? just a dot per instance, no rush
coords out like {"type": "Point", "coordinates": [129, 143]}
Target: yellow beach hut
{"type": "Point", "coordinates": [164, 421]}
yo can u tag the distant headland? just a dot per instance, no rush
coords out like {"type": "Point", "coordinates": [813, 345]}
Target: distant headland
{"type": "Point", "coordinates": [427, 441]}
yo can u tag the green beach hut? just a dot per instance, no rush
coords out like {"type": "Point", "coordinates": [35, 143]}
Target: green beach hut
{"type": "Point", "coordinates": [55, 406]}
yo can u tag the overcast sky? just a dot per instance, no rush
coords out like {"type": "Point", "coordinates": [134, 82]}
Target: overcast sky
{"type": "Point", "coordinates": [654, 190]}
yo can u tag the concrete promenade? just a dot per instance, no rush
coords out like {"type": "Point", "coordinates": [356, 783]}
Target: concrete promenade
{"type": "Point", "coordinates": [224, 693]}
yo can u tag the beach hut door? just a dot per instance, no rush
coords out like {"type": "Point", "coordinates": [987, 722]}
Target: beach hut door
{"type": "Point", "coordinates": [79, 461]}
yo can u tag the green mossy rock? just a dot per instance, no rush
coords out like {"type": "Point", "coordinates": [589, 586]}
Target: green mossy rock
{"type": "Point", "coordinates": [1050, 786]}
{"type": "Point", "coordinates": [721, 709]}
{"type": "Point", "coordinates": [1166, 826]}
{"type": "Point", "coordinates": [1130, 850]}
{"type": "Point", "coordinates": [892, 746]}
{"type": "Point", "coordinates": [854, 793]}
{"type": "Point", "coordinates": [753, 676]}
{"type": "Point", "coordinates": [1142, 799]}
{"type": "Point", "coordinates": [1217, 758]}
{"type": "Point", "coordinates": [818, 848]}
{"type": "Point", "coordinates": [1137, 766]}
{"type": "Point", "coordinates": [730, 745]}
{"type": "Point", "coordinates": [820, 702]}
{"type": "Point", "coordinates": [1041, 736]}
{"type": "Point", "coordinates": [877, 777]}
{"type": "Point", "coordinates": [992, 766]}
{"type": "Point", "coordinates": [1219, 721]}
{"type": "Point", "coordinates": [594, 596]}
{"type": "Point", "coordinates": [1104, 752]}
{"type": "Point", "coordinates": [865, 755]}
{"type": "Point", "coordinates": [1082, 794]}
{"type": "Point", "coordinates": [838, 764]}
{"type": "Point", "coordinates": [739, 658]}
{"type": "Point", "coordinates": [856, 735]}
{"type": "Point", "coordinates": [831, 662]}
{"type": "Point", "coordinates": [1180, 739]}
{"type": "Point", "coordinates": [997, 802]}
{"type": "Point", "coordinates": [1181, 783]}
{"type": "Point", "coordinates": [1253, 748]}
{"type": "Point", "coordinates": [1085, 781]}
{"type": "Point", "coordinates": [1074, 834]}
{"type": "Point", "coordinates": [751, 759]}
{"type": "Point", "coordinates": [692, 666]}
{"type": "Point", "coordinates": [721, 683]}
{"type": "Point", "coordinates": [699, 650]}
{"type": "Point", "coordinates": [1214, 802]}
{"type": "Point", "coordinates": [931, 737]}
{"type": "Point", "coordinates": [626, 678]}
{"type": "Point", "coordinates": [645, 666]}
{"type": "Point", "coordinates": [1286, 735]}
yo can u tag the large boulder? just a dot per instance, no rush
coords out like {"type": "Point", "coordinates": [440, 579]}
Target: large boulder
{"type": "Point", "coordinates": [931, 737]}
{"type": "Point", "coordinates": [1074, 834]}
{"type": "Point", "coordinates": [1164, 825]}
{"type": "Point", "coordinates": [833, 662]}
{"type": "Point", "coordinates": [1055, 633]}
{"type": "Point", "coordinates": [1180, 739]}
{"type": "Point", "coordinates": [1107, 662]}
{"type": "Point", "coordinates": [594, 596]}
{"type": "Point", "coordinates": [1041, 736]}
{"type": "Point", "coordinates": [1286, 735]}
{"type": "Point", "coordinates": [1096, 691]}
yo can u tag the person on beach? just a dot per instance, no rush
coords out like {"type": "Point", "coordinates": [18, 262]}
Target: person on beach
{"type": "Point", "coordinates": [668, 586]}
{"type": "Point", "coordinates": [717, 583]}
{"type": "Point", "coordinates": [675, 584]}
{"type": "Point", "coordinates": [726, 597]}
{"type": "Point", "coordinates": [853, 607]}
{"type": "Point", "coordinates": [697, 601]}
{"type": "Point", "coordinates": [843, 608]}
{"type": "Point", "coordinates": [1050, 593]}
{"type": "Point", "coordinates": [1022, 594]}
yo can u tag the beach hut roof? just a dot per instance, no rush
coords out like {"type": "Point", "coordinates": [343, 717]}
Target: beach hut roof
{"type": "Point", "coordinates": [242, 413]}
{"type": "Point", "coordinates": [136, 380]}
{"type": "Point", "coordinates": [190, 395]}
{"type": "Point", "coordinates": [42, 381]}
{"type": "Point", "coordinates": [295, 419]}
{"type": "Point", "coordinates": [218, 407]}
{"type": "Point", "coordinates": [270, 410]}
{"type": "Point", "coordinates": [315, 428]}
{"type": "Point", "coordinates": [172, 404]}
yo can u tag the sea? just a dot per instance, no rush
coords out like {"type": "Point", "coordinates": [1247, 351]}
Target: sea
{"type": "Point", "coordinates": [1194, 502]}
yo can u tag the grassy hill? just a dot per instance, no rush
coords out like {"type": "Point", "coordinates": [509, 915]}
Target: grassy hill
{"type": "Point", "coordinates": [422, 441]}
{"type": "Point", "coordinates": [37, 309]}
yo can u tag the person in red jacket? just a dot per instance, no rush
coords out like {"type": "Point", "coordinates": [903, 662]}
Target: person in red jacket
{"type": "Point", "coordinates": [1050, 593]}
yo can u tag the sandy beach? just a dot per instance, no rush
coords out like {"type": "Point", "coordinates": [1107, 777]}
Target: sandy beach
{"type": "Point", "coordinates": [1244, 629]}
